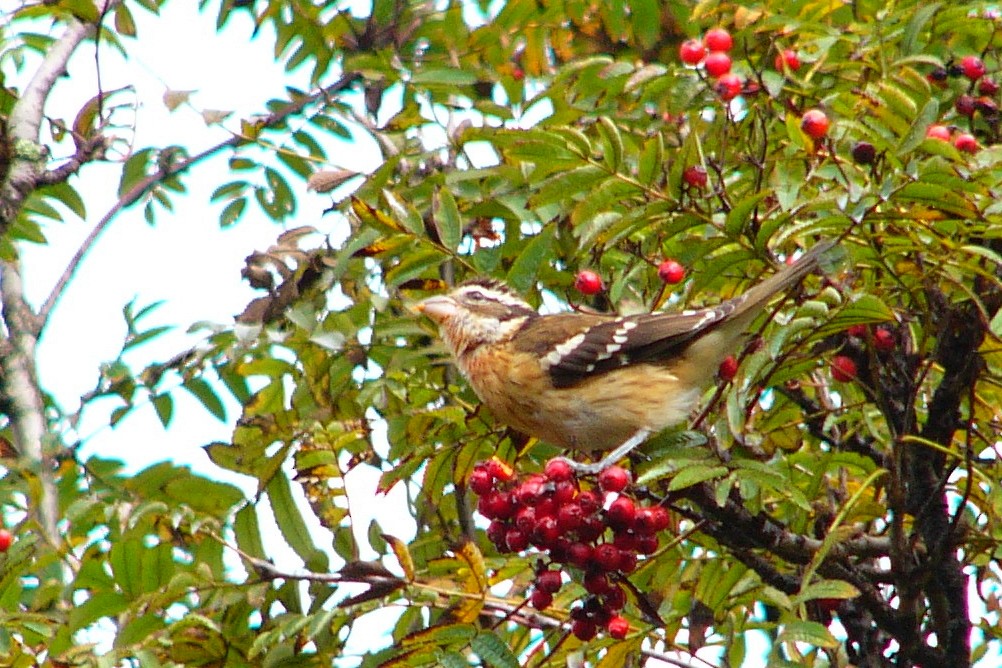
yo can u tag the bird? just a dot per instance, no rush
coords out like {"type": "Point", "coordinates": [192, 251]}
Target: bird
{"type": "Point", "coordinates": [595, 383]}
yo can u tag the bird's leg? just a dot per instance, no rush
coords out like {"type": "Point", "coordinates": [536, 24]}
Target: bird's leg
{"type": "Point", "coordinates": [621, 451]}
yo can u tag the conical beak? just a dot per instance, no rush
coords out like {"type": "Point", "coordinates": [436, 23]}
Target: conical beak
{"type": "Point", "coordinates": [439, 308]}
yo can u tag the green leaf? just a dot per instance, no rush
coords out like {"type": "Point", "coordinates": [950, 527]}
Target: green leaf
{"type": "Point", "coordinates": [812, 633]}
{"type": "Point", "coordinates": [207, 396]}
{"type": "Point", "coordinates": [826, 589]}
{"type": "Point", "coordinates": [445, 76]}
{"type": "Point", "coordinates": [916, 134]}
{"type": "Point", "coordinates": [447, 220]}
{"type": "Point", "coordinates": [693, 474]}
{"type": "Point", "coordinates": [404, 213]}
{"type": "Point", "coordinates": [921, 14]}
{"type": "Point", "coordinates": [288, 518]}
{"type": "Point", "coordinates": [612, 143]}
{"type": "Point", "coordinates": [525, 268]}
{"type": "Point", "coordinates": [248, 533]}
{"type": "Point", "coordinates": [164, 406]}
{"type": "Point", "coordinates": [493, 651]}
{"type": "Point", "coordinates": [231, 212]}
{"type": "Point", "coordinates": [738, 217]}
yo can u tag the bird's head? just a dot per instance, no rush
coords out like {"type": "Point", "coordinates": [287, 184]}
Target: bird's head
{"type": "Point", "coordinates": [475, 313]}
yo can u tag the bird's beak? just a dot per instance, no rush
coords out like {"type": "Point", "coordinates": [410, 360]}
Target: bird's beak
{"type": "Point", "coordinates": [439, 308]}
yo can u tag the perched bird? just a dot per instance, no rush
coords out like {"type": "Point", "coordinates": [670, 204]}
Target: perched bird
{"type": "Point", "coordinates": [589, 382]}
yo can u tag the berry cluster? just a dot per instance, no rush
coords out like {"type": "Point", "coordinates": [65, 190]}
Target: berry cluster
{"type": "Point", "coordinates": [595, 534]}
{"type": "Point", "coordinates": [977, 100]}
{"type": "Point", "coordinates": [844, 368]}
{"type": "Point", "coordinates": [713, 54]}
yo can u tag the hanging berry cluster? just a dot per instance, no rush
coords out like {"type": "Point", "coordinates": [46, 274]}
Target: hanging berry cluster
{"type": "Point", "coordinates": [594, 534]}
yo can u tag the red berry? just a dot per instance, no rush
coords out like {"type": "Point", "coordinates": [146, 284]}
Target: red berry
{"type": "Point", "coordinates": [815, 123]}
{"type": "Point", "coordinates": [787, 59]}
{"type": "Point", "coordinates": [728, 86]}
{"type": "Point", "coordinates": [608, 557]}
{"type": "Point", "coordinates": [558, 469]}
{"type": "Point", "coordinates": [618, 627]}
{"type": "Point", "coordinates": [496, 532]}
{"type": "Point", "coordinates": [615, 598]}
{"type": "Point", "coordinates": [965, 105]}
{"type": "Point", "coordinates": [718, 39]}
{"type": "Point", "coordinates": [728, 369]}
{"type": "Point", "coordinates": [645, 544]}
{"type": "Point", "coordinates": [624, 540]}
{"type": "Point", "coordinates": [972, 67]}
{"type": "Point", "coordinates": [596, 583]}
{"type": "Point", "coordinates": [546, 533]}
{"type": "Point", "coordinates": [591, 529]}
{"type": "Point", "coordinates": [516, 540]}
{"type": "Point", "coordinates": [692, 52]}
{"type": "Point", "coordinates": [621, 513]}
{"type": "Point", "coordinates": [966, 142]}
{"type": "Point", "coordinates": [526, 518]}
{"type": "Point", "coordinates": [859, 331]}
{"type": "Point", "coordinates": [549, 581]}
{"type": "Point", "coordinates": [579, 554]}
{"type": "Point", "coordinates": [540, 599]}
{"type": "Point", "coordinates": [936, 131]}
{"type": "Point", "coordinates": [499, 470]}
{"type": "Point", "coordinates": [570, 517]}
{"type": "Point", "coordinates": [481, 481]}
{"type": "Point", "coordinates": [517, 73]}
{"type": "Point", "coordinates": [883, 340]}
{"type": "Point", "coordinates": [717, 63]}
{"type": "Point", "coordinates": [671, 272]}
{"type": "Point", "coordinates": [627, 561]}
{"type": "Point", "coordinates": [695, 176]}
{"type": "Point", "coordinates": [988, 87]}
{"type": "Point", "coordinates": [589, 501]}
{"type": "Point", "coordinates": [843, 368]}
{"type": "Point", "coordinates": [614, 479]}
{"type": "Point", "coordinates": [588, 282]}
{"type": "Point", "coordinates": [564, 491]}
{"type": "Point", "coordinates": [6, 540]}
{"type": "Point", "coordinates": [583, 629]}
{"type": "Point", "coordinates": [496, 505]}
{"type": "Point", "coordinates": [530, 491]}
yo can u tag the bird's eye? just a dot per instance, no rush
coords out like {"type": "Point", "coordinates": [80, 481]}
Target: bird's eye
{"type": "Point", "coordinates": [475, 296]}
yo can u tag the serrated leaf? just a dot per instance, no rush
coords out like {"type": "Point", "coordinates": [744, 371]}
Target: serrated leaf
{"type": "Point", "coordinates": [695, 474]}
{"type": "Point", "coordinates": [231, 212]}
{"type": "Point", "coordinates": [493, 651]}
{"type": "Point", "coordinates": [288, 518]}
{"type": "Point", "coordinates": [206, 396]}
{"type": "Point", "coordinates": [445, 76]}
{"type": "Point", "coordinates": [248, 533]}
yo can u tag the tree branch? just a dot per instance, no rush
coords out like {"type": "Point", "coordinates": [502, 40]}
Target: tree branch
{"type": "Point", "coordinates": [20, 386]}
{"type": "Point", "coordinates": [25, 122]}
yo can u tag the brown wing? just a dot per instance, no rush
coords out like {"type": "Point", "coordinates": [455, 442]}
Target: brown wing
{"type": "Point", "coordinates": [574, 347]}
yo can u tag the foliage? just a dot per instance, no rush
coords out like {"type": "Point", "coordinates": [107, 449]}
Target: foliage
{"type": "Point", "coordinates": [526, 140]}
